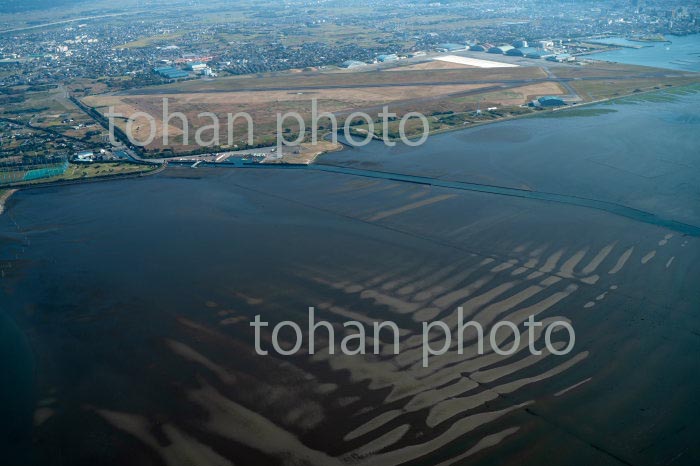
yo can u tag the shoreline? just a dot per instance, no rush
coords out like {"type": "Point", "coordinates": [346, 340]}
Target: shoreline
{"type": "Point", "coordinates": [536, 114]}
{"type": "Point", "coordinates": [11, 189]}
{"type": "Point", "coordinates": [318, 155]}
{"type": "Point", "coordinates": [5, 195]}
{"type": "Point", "coordinates": [341, 146]}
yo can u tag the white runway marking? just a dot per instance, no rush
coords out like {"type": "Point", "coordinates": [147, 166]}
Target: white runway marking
{"type": "Point", "coordinates": [475, 62]}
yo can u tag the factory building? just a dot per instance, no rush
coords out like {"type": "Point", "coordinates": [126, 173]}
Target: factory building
{"type": "Point", "coordinates": [197, 66]}
{"type": "Point", "coordinates": [564, 57]}
{"type": "Point", "coordinates": [540, 54]}
{"type": "Point", "coordinates": [481, 47]}
{"type": "Point", "coordinates": [501, 49]}
{"type": "Point", "coordinates": [551, 101]}
{"type": "Point", "coordinates": [85, 156]}
{"type": "Point", "coordinates": [451, 47]}
{"type": "Point", "coordinates": [529, 52]}
{"type": "Point", "coordinates": [520, 44]}
{"type": "Point", "coordinates": [387, 57]}
{"type": "Point", "coordinates": [352, 64]}
{"type": "Point", "coordinates": [170, 72]}
{"type": "Point", "coordinates": [521, 52]}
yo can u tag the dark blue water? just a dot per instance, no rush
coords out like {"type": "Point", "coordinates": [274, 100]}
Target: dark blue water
{"type": "Point", "coordinates": [17, 400]}
{"type": "Point", "coordinates": [642, 154]}
{"type": "Point", "coordinates": [99, 276]}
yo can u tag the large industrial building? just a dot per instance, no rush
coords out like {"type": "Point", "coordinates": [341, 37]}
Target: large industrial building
{"type": "Point", "coordinates": [352, 64]}
{"type": "Point", "coordinates": [170, 72]}
{"type": "Point", "coordinates": [451, 47]}
{"type": "Point", "coordinates": [501, 49]}
{"type": "Point", "coordinates": [481, 47]}
{"type": "Point", "coordinates": [387, 57]}
{"type": "Point", "coordinates": [521, 52]}
{"type": "Point", "coordinates": [529, 52]}
{"type": "Point", "coordinates": [564, 57]}
{"type": "Point", "coordinates": [551, 101]}
{"type": "Point", "coordinates": [197, 66]}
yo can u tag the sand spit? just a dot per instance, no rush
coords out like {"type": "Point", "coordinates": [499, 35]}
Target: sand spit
{"type": "Point", "coordinates": [573, 387]}
{"type": "Point", "coordinates": [394, 410]}
{"type": "Point", "coordinates": [486, 442]}
{"type": "Point", "coordinates": [235, 422]}
{"type": "Point", "coordinates": [457, 430]}
{"type": "Point", "coordinates": [597, 260]}
{"type": "Point", "coordinates": [567, 269]}
{"type": "Point", "coordinates": [4, 196]}
{"type": "Point", "coordinates": [192, 355]}
{"type": "Point", "coordinates": [665, 240]}
{"type": "Point", "coordinates": [383, 442]}
{"type": "Point", "coordinates": [621, 261]}
{"type": "Point", "coordinates": [455, 388]}
{"type": "Point", "coordinates": [182, 450]}
{"type": "Point", "coordinates": [372, 425]}
{"type": "Point", "coordinates": [648, 257]}
{"type": "Point", "coordinates": [409, 207]}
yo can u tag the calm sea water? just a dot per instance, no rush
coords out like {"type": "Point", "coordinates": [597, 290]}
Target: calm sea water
{"type": "Point", "coordinates": [679, 53]}
{"type": "Point", "coordinates": [641, 153]}
{"type": "Point", "coordinates": [101, 279]}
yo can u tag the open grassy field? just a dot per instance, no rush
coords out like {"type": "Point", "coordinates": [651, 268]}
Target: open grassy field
{"type": "Point", "coordinates": [334, 34]}
{"type": "Point", "coordinates": [339, 93]}
{"type": "Point", "coordinates": [608, 89]}
{"type": "Point", "coordinates": [50, 109]}
{"type": "Point", "coordinates": [93, 170]}
{"type": "Point", "coordinates": [603, 69]}
{"type": "Point", "coordinates": [434, 65]}
{"type": "Point", "coordinates": [149, 41]}
{"type": "Point", "coordinates": [85, 171]}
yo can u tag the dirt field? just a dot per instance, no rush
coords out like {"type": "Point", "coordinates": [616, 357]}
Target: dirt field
{"type": "Point", "coordinates": [430, 87]}
{"type": "Point", "coordinates": [516, 95]}
{"type": "Point", "coordinates": [436, 65]}
{"type": "Point", "coordinates": [262, 106]}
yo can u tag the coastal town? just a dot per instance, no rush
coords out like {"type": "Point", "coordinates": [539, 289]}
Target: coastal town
{"type": "Point", "coordinates": [121, 52]}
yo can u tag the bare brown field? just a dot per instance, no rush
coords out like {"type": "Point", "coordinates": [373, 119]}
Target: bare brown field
{"type": "Point", "coordinates": [431, 87]}
{"type": "Point", "coordinates": [307, 152]}
{"type": "Point", "coordinates": [352, 96]}
{"type": "Point", "coordinates": [262, 106]}
{"type": "Point", "coordinates": [514, 96]}
{"type": "Point", "coordinates": [435, 65]}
